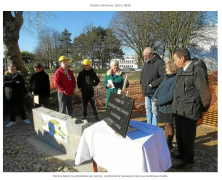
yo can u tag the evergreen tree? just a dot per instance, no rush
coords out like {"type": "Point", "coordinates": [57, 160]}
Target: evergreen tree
{"type": "Point", "coordinates": [65, 43]}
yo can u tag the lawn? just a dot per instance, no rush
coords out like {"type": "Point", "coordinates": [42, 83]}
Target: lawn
{"type": "Point", "coordinates": [133, 76]}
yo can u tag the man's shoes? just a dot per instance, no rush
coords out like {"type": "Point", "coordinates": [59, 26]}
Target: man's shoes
{"type": "Point", "coordinates": [85, 120]}
{"type": "Point", "coordinates": [183, 166]}
{"type": "Point", "coordinates": [26, 121]}
{"type": "Point", "coordinates": [176, 156]}
{"type": "Point", "coordinates": [11, 123]}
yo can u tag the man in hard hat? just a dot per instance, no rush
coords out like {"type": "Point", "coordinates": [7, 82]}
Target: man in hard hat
{"type": "Point", "coordinates": [65, 81]}
{"type": "Point", "coordinates": [86, 79]}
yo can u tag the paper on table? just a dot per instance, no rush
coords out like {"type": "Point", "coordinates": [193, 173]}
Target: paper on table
{"type": "Point", "coordinates": [110, 82]}
{"type": "Point", "coordinates": [36, 99]}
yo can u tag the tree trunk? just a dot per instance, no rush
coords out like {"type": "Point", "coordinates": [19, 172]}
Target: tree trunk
{"type": "Point", "coordinates": [11, 28]}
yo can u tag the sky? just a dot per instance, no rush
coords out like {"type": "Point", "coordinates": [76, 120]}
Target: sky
{"type": "Point", "coordinates": [74, 22]}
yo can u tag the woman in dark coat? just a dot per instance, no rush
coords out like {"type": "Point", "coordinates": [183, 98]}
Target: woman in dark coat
{"type": "Point", "coordinates": [15, 91]}
{"type": "Point", "coordinates": [163, 98]}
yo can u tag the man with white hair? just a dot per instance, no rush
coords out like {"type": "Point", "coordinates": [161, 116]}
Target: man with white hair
{"type": "Point", "coordinates": [150, 78]}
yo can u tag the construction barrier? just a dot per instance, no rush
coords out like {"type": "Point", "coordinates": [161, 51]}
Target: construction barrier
{"type": "Point", "coordinates": [135, 91]}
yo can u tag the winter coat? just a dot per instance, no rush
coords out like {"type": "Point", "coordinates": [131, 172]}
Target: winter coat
{"type": "Point", "coordinates": [86, 80]}
{"type": "Point", "coordinates": [65, 83]}
{"type": "Point", "coordinates": [12, 89]}
{"type": "Point", "coordinates": [192, 94]}
{"type": "Point", "coordinates": [164, 94]}
{"type": "Point", "coordinates": [152, 73]}
{"type": "Point", "coordinates": [118, 82]}
{"type": "Point", "coordinates": [39, 84]}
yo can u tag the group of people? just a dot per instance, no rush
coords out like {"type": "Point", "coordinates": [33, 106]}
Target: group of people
{"type": "Point", "coordinates": [176, 93]}
{"type": "Point", "coordinates": [180, 96]}
{"type": "Point", "coordinates": [39, 85]}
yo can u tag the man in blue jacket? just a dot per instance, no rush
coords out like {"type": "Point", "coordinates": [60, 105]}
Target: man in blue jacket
{"type": "Point", "coordinates": [151, 76]}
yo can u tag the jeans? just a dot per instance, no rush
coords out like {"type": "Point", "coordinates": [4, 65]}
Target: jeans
{"type": "Point", "coordinates": [151, 111]}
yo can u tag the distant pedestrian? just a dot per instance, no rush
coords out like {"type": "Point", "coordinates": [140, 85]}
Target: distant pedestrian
{"type": "Point", "coordinates": [39, 85]}
{"type": "Point", "coordinates": [150, 78]}
{"type": "Point", "coordinates": [65, 81]}
{"type": "Point", "coordinates": [192, 97]}
{"type": "Point", "coordinates": [86, 80]}
{"type": "Point", "coordinates": [116, 76]}
{"type": "Point", "coordinates": [15, 91]}
{"type": "Point", "coordinates": [163, 98]}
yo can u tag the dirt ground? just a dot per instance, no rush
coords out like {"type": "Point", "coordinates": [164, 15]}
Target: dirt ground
{"type": "Point", "coordinates": [20, 156]}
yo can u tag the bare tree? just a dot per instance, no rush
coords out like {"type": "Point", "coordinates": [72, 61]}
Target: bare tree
{"type": "Point", "coordinates": [177, 28]}
{"type": "Point", "coordinates": [12, 23]}
{"type": "Point", "coordinates": [48, 45]}
{"type": "Point", "coordinates": [164, 31]}
{"type": "Point", "coordinates": [136, 30]}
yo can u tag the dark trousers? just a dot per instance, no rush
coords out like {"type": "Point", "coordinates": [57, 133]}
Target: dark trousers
{"type": "Point", "coordinates": [65, 103]}
{"type": "Point", "coordinates": [85, 100]}
{"type": "Point", "coordinates": [43, 102]}
{"type": "Point", "coordinates": [12, 102]}
{"type": "Point", "coordinates": [185, 136]}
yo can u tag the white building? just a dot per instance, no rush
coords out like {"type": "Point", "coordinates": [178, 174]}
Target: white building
{"type": "Point", "coordinates": [128, 62]}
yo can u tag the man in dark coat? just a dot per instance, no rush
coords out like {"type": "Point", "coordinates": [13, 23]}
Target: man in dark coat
{"type": "Point", "coordinates": [151, 76]}
{"type": "Point", "coordinates": [192, 97]}
{"type": "Point", "coordinates": [39, 85]}
{"type": "Point", "coordinates": [86, 79]}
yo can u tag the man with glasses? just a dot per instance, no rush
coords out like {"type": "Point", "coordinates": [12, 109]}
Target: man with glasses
{"type": "Point", "coordinates": [150, 78]}
{"type": "Point", "coordinates": [65, 81]}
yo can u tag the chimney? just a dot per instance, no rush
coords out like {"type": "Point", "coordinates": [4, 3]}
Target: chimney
{"type": "Point", "coordinates": [211, 22]}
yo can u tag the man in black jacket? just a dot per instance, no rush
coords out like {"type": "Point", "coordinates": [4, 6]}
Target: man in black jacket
{"type": "Point", "coordinates": [86, 79]}
{"type": "Point", "coordinates": [151, 76]}
{"type": "Point", "coordinates": [39, 85]}
{"type": "Point", "coordinates": [192, 97]}
{"type": "Point", "coordinates": [15, 91]}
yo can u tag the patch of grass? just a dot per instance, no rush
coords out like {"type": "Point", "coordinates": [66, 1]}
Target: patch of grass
{"type": "Point", "coordinates": [133, 76]}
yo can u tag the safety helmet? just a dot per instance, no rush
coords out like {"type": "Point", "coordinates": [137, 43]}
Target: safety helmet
{"type": "Point", "coordinates": [62, 58]}
{"type": "Point", "coordinates": [86, 62]}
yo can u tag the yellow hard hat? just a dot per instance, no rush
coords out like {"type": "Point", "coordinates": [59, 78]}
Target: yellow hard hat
{"type": "Point", "coordinates": [86, 62]}
{"type": "Point", "coordinates": [62, 58]}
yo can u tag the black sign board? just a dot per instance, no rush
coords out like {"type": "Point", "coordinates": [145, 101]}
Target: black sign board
{"type": "Point", "coordinates": [118, 113]}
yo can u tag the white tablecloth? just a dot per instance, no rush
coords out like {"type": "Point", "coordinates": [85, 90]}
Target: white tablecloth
{"type": "Point", "coordinates": [143, 150]}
